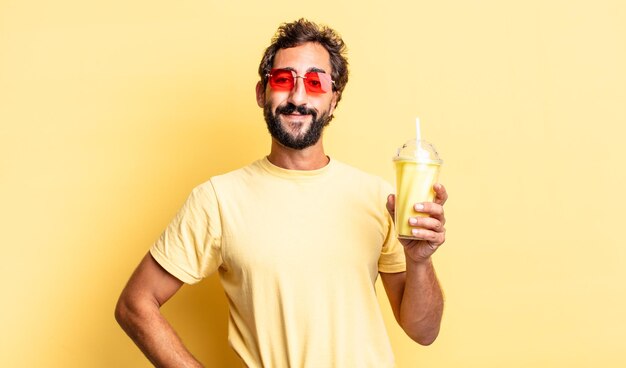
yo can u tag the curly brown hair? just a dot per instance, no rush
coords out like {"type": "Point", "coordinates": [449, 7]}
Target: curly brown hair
{"type": "Point", "coordinates": [302, 31]}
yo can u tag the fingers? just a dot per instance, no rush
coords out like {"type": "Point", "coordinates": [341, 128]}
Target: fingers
{"type": "Point", "coordinates": [441, 194]}
{"type": "Point", "coordinates": [428, 229]}
{"type": "Point", "coordinates": [432, 209]}
{"type": "Point", "coordinates": [428, 223]}
{"type": "Point", "coordinates": [391, 204]}
{"type": "Point", "coordinates": [429, 232]}
{"type": "Point", "coordinates": [432, 237]}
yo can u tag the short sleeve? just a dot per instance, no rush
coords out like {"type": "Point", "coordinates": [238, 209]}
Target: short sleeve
{"type": "Point", "coordinates": [392, 258]}
{"type": "Point", "coordinates": [189, 248]}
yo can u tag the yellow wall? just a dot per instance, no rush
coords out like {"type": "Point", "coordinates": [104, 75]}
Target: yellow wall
{"type": "Point", "coordinates": [110, 112]}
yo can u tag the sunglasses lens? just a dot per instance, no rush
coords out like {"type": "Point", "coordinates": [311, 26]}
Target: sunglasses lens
{"type": "Point", "coordinates": [316, 82]}
{"type": "Point", "coordinates": [281, 80]}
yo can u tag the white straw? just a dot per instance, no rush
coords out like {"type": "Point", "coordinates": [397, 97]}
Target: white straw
{"type": "Point", "coordinates": [418, 133]}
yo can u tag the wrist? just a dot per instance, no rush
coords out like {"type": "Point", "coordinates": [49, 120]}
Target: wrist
{"type": "Point", "coordinates": [419, 261]}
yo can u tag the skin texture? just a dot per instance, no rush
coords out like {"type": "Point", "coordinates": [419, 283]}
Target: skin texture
{"type": "Point", "coordinates": [137, 311]}
{"type": "Point", "coordinates": [302, 59]}
{"type": "Point", "coordinates": [415, 296]}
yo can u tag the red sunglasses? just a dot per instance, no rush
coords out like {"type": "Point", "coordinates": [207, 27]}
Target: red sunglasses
{"type": "Point", "coordinates": [314, 82]}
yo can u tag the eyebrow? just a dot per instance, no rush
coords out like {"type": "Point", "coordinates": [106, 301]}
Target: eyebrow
{"type": "Point", "coordinates": [312, 69]}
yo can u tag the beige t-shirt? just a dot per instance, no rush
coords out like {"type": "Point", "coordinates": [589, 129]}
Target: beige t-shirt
{"type": "Point", "coordinates": [298, 253]}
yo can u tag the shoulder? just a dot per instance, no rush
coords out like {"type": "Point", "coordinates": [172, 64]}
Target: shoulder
{"type": "Point", "coordinates": [235, 175]}
{"type": "Point", "coordinates": [360, 177]}
{"type": "Point", "coordinates": [230, 181]}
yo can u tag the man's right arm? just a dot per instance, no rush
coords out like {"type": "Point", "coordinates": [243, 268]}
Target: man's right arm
{"type": "Point", "coordinates": [138, 312]}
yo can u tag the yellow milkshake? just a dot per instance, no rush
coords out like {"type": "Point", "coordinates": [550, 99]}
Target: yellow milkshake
{"type": "Point", "coordinates": [417, 170]}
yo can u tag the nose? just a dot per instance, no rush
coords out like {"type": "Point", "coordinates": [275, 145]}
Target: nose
{"type": "Point", "coordinates": [298, 95]}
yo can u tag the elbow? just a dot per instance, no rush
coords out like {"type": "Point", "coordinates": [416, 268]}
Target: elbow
{"type": "Point", "coordinates": [121, 312]}
{"type": "Point", "coordinates": [423, 335]}
{"type": "Point", "coordinates": [131, 311]}
{"type": "Point", "coordinates": [126, 313]}
{"type": "Point", "coordinates": [424, 340]}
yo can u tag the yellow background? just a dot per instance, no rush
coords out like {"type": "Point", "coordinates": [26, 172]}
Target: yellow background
{"type": "Point", "coordinates": [111, 112]}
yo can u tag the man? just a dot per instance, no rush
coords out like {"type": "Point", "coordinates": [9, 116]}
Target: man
{"type": "Point", "coordinates": [298, 238]}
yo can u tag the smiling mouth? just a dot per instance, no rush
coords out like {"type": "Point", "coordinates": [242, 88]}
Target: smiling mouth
{"type": "Point", "coordinates": [296, 116]}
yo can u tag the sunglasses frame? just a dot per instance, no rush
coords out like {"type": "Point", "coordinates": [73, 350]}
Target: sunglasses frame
{"type": "Point", "coordinates": [322, 77]}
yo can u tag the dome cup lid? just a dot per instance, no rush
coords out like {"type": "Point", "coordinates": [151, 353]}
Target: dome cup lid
{"type": "Point", "coordinates": [420, 151]}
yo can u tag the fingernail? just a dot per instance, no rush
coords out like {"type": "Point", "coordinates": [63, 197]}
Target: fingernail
{"type": "Point", "coordinates": [413, 221]}
{"type": "Point", "coordinates": [419, 207]}
{"type": "Point", "coordinates": [415, 232]}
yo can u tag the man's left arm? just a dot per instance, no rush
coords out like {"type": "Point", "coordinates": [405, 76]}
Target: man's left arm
{"type": "Point", "coordinates": [415, 295]}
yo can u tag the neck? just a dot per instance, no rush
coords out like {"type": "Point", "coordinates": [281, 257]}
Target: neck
{"type": "Point", "coordinates": [310, 158]}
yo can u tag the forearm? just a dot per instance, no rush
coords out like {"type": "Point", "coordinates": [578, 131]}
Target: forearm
{"type": "Point", "coordinates": [156, 338]}
{"type": "Point", "coordinates": [422, 302]}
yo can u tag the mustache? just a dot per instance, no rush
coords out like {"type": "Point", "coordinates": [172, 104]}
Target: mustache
{"type": "Point", "coordinates": [290, 108]}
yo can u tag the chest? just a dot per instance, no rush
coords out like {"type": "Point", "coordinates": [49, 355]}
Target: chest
{"type": "Point", "coordinates": [301, 228]}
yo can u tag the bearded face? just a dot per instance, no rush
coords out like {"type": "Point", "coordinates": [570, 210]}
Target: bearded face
{"type": "Point", "coordinates": [303, 127]}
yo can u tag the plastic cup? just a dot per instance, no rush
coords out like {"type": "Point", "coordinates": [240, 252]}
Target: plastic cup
{"type": "Point", "coordinates": [417, 165]}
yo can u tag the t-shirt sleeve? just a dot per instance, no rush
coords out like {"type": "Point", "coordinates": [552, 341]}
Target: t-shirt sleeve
{"type": "Point", "coordinates": [392, 259]}
{"type": "Point", "coordinates": [189, 248]}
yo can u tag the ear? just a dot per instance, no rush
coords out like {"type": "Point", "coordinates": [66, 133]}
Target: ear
{"type": "Point", "coordinates": [260, 94]}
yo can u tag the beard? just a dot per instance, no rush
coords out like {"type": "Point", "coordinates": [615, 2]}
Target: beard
{"type": "Point", "coordinates": [298, 140]}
